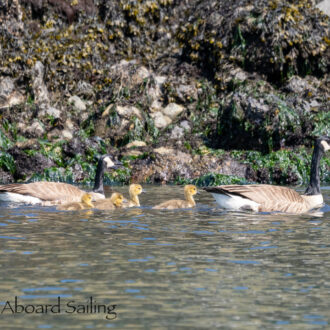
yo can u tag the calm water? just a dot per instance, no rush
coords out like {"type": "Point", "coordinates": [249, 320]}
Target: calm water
{"type": "Point", "coordinates": [198, 269]}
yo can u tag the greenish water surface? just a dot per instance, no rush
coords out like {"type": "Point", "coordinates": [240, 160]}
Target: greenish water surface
{"type": "Point", "coordinates": [182, 269]}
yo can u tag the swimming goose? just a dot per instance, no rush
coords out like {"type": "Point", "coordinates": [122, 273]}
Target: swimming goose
{"type": "Point", "coordinates": [50, 193]}
{"type": "Point", "coordinates": [189, 191]}
{"type": "Point", "coordinates": [114, 202]}
{"type": "Point", "coordinates": [269, 198]}
{"type": "Point", "coordinates": [134, 191]}
{"type": "Point", "coordinates": [85, 203]}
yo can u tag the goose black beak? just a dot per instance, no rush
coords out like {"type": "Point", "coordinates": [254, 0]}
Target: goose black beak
{"type": "Point", "coordinates": [117, 165]}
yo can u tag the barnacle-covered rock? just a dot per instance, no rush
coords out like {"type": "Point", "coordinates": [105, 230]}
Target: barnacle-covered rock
{"type": "Point", "coordinates": [9, 96]}
{"type": "Point", "coordinates": [274, 38]}
{"type": "Point", "coordinates": [266, 119]}
{"type": "Point", "coordinates": [28, 164]}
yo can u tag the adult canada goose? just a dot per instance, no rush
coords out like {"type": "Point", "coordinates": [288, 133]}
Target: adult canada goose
{"type": "Point", "coordinates": [114, 202]}
{"type": "Point", "coordinates": [85, 203]}
{"type": "Point", "coordinates": [134, 191]}
{"type": "Point", "coordinates": [269, 198]}
{"type": "Point", "coordinates": [189, 191]}
{"type": "Point", "coordinates": [50, 193]}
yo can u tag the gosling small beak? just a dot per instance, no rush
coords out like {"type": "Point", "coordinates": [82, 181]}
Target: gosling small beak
{"type": "Point", "coordinates": [125, 200]}
{"type": "Point", "coordinates": [144, 191]}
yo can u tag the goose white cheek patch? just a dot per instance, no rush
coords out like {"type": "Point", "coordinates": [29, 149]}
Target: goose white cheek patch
{"type": "Point", "coordinates": [109, 162]}
{"type": "Point", "coordinates": [325, 145]}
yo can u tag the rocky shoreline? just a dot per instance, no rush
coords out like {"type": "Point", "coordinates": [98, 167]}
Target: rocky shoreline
{"type": "Point", "coordinates": [180, 91]}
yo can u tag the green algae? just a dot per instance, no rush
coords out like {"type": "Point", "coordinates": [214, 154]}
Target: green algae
{"type": "Point", "coordinates": [284, 166]}
{"type": "Point", "coordinates": [7, 162]}
{"type": "Point", "coordinates": [56, 174]}
{"type": "Point", "coordinates": [5, 142]}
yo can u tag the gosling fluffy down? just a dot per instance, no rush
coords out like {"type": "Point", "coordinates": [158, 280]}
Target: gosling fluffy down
{"type": "Point", "coordinates": [114, 202]}
{"type": "Point", "coordinates": [86, 203]}
{"type": "Point", "coordinates": [134, 191]}
{"type": "Point", "coordinates": [189, 192]}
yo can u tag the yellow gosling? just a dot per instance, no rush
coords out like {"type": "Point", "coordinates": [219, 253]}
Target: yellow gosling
{"type": "Point", "coordinates": [86, 203]}
{"type": "Point", "coordinates": [189, 191]}
{"type": "Point", "coordinates": [114, 202]}
{"type": "Point", "coordinates": [134, 191]}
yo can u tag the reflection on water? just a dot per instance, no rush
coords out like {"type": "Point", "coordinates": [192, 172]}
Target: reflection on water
{"type": "Point", "coordinates": [201, 268]}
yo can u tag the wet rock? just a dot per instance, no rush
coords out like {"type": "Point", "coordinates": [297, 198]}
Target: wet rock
{"type": "Point", "coordinates": [185, 125]}
{"type": "Point", "coordinates": [314, 104]}
{"type": "Point", "coordinates": [77, 103]}
{"type": "Point", "coordinates": [8, 95]}
{"type": "Point", "coordinates": [13, 99]}
{"type": "Point", "coordinates": [177, 133]}
{"type": "Point", "coordinates": [169, 165]}
{"type": "Point", "coordinates": [156, 106]}
{"type": "Point", "coordinates": [66, 134]}
{"type": "Point", "coordinates": [128, 111]}
{"type": "Point", "coordinates": [155, 97]}
{"type": "Point", "coordinates": [28, 144]}
{"type": "Point", "coordinates": [324, 6]}
{"type": "Point", "coordinates": [160, 80]}
{"type": "Point", "coordinates": [5, 177]}
{"type": "Point", "coordinates": [78, 173]}
{"type": "Point", "coordinates": [186, 93]}
{"type": "Point", "coordinates": [54, 134]}
{"type": "Point", "coordinates": [268, 37]}
{"type": "Point", "coordinates": [298, 85]}
{"type": "Point", "coordinates": [233, 167]}
{"type": "Point", "coordinates": [74, 147]}
{"type": "Point", "coordinates": [161, 121]}
{"type": "Point", "coordinates": [255, 107]}
{"type": "Point", "coordinates": [172, 110]}
{"type": "Point", "coordinates": [140, 75]}
{"type": "Point", "coordinates": [135, 144]}
{"type": "Point", "coordinates": [84, 89]}
{"type": "Point", "coordinates": [134, 153]}
{"type": "Point", "coordinates": [164, 151]}
{"type": "Point", "coordinates": [7, 86]}
{"type": "Point", "coordinates": [27, 165]}
{"type": "Point", "coordinates": [68, 10]}
{"type": "Point", "coordinates": [42, 98]}
{"type": "Point", "coordinates": [36, 129]}
{"type": "Point", "coordinates": [39, 87]}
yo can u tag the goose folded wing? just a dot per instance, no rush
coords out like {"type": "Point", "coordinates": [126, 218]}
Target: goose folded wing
{"type": "Point", "coordinates": [271, 198]}
{"type": "Point", "coordinates": [46, 191]}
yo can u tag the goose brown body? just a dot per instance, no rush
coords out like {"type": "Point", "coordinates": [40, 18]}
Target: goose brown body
{"type": "Point", "coordinates": [270, 198]}
{"type": "Point", "coordinates": [48, 192]}
{"type": "Point", "coordinates": [52, 193]}
{"type": "Point", "coordinates": [114, 202]}
{"type": "Point", "coordinates": [189, 202]}
{"type": "Point", "coordinates": [85, 203]}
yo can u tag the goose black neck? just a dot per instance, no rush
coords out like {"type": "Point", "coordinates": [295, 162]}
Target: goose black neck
{"type": "Point", "coordinates": [314, 183]}
{"type": "Point", "coordinates": [98, 184]}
